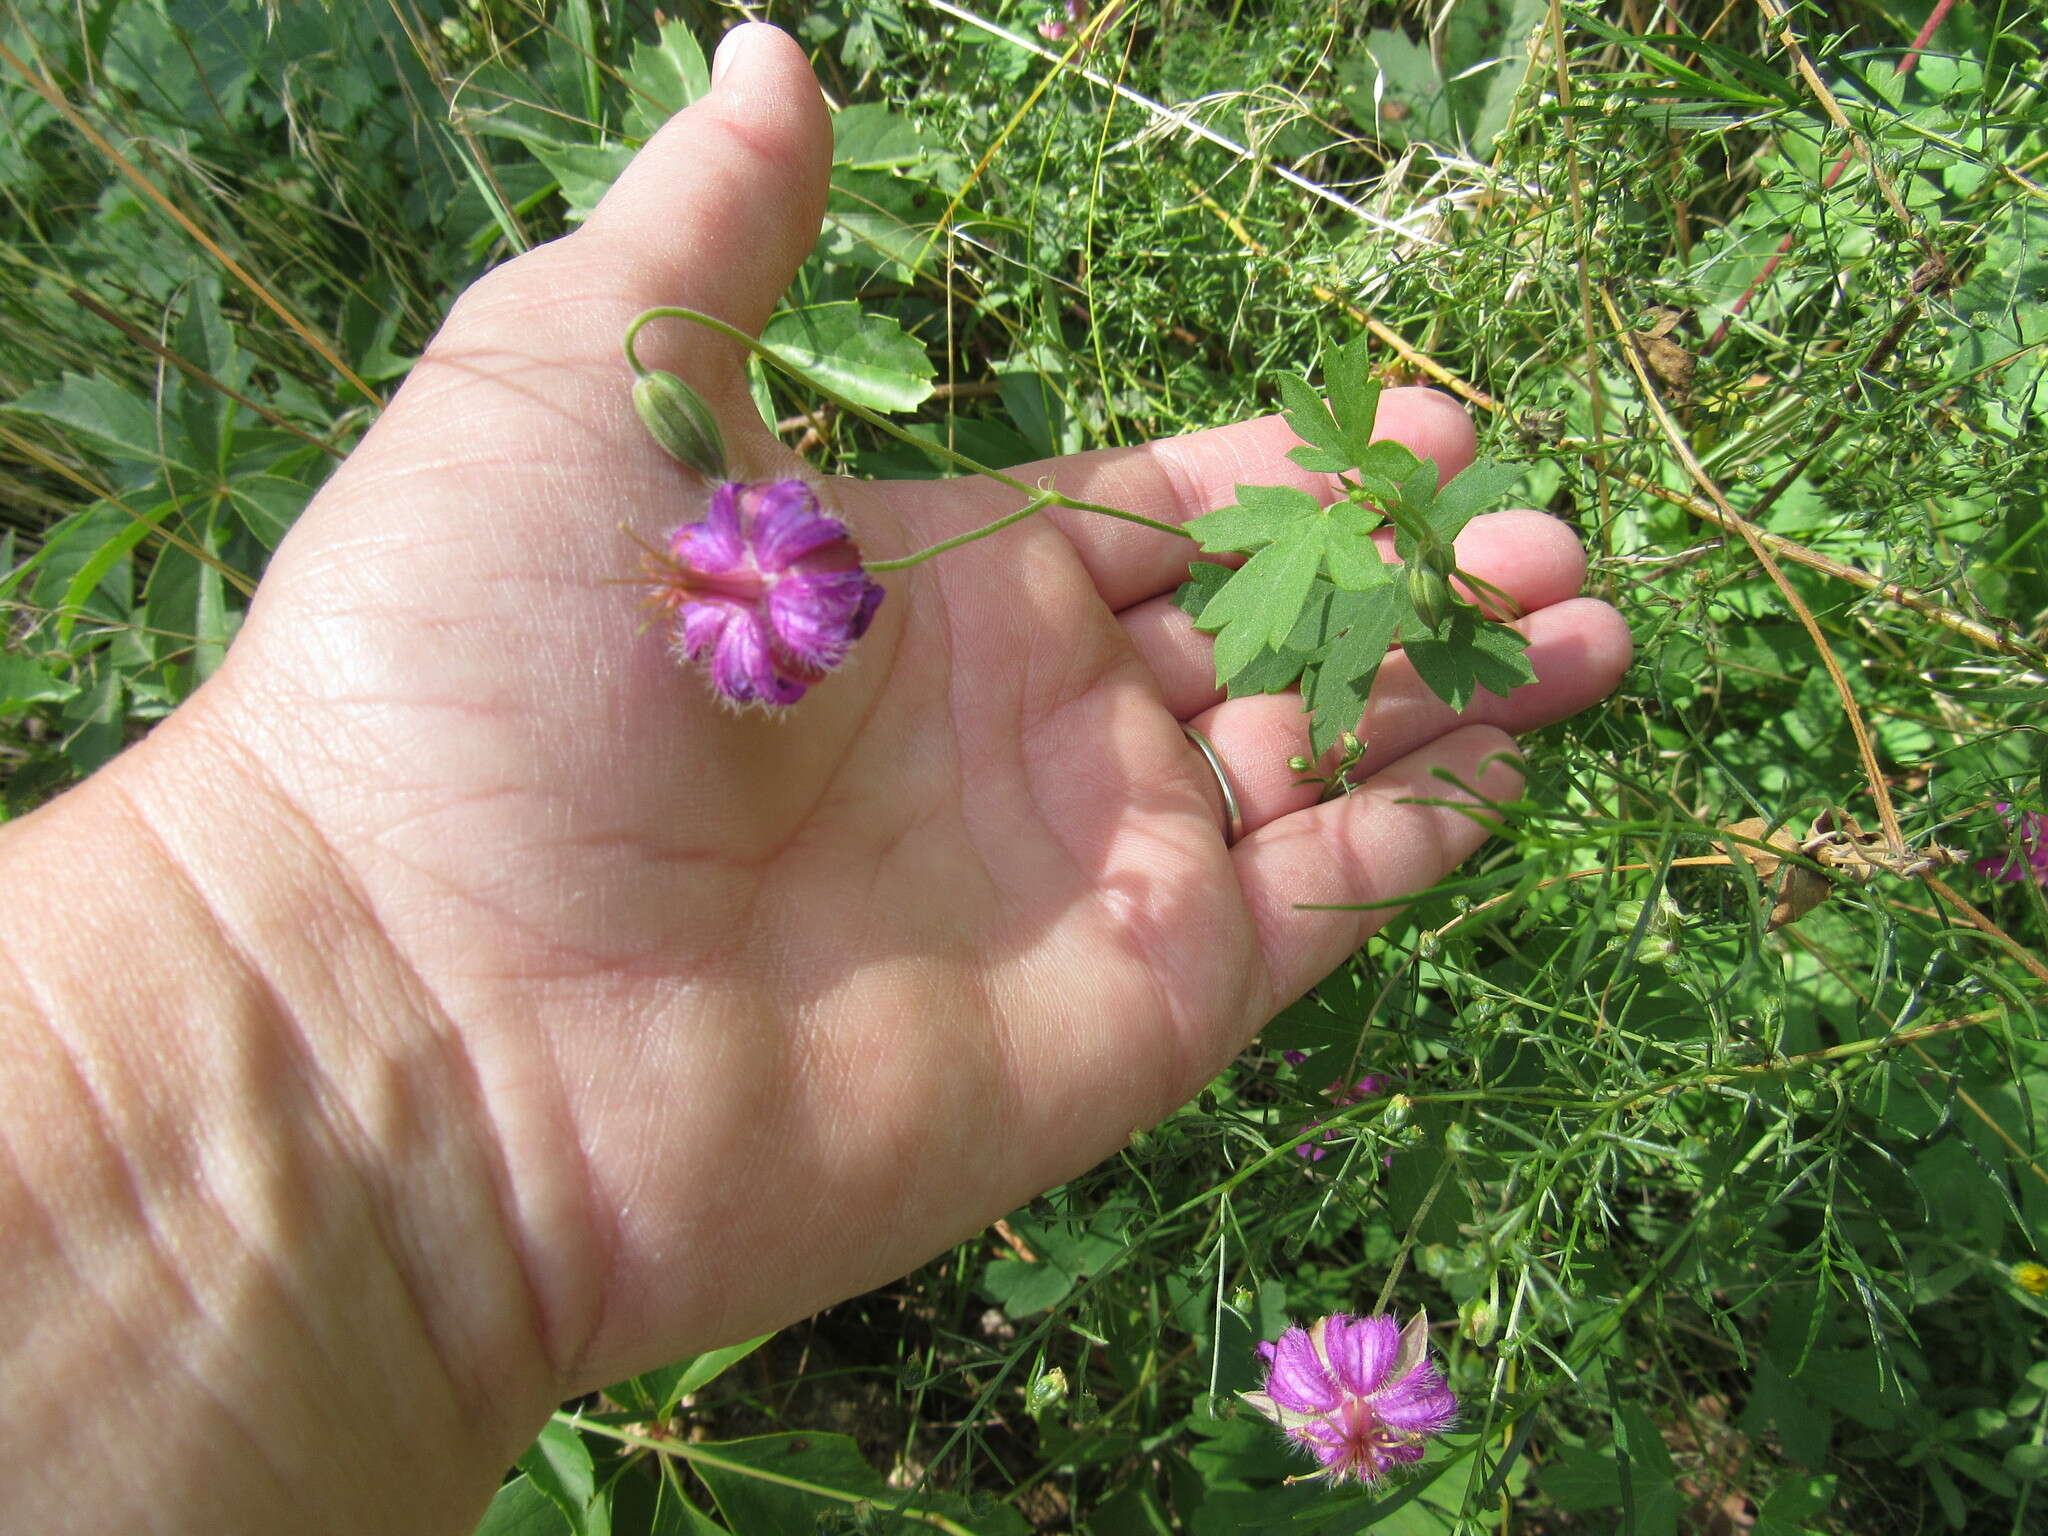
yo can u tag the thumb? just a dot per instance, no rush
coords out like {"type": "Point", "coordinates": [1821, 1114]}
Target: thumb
{"type": "Point", "coordinates": [720, 207]}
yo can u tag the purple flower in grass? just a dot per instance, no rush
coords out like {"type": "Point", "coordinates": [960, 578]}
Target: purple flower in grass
{"type": "Point", "coordinates": [767, 593]}
{"type": "Point", "coordinates": [1342, 1095]}
{"type": "Point", "coordinates": [2026, 855]}
{"type": "Point", "coordinates": [1358, 1393]}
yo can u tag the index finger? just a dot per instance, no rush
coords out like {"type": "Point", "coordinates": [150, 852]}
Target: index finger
{"type": "Point", "coordinates": [1172, 480]}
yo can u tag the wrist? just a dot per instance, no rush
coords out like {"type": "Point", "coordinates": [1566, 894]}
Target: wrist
{"type": "Point", "coordinates": [242, 1170]}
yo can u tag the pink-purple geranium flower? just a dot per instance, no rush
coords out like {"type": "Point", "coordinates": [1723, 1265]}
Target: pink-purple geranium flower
{"type": "Point", "coordinates": [767, 593]}
{"type": "Point", "coordinates": [1360, 1394]}
{"type": "Point", "coordinates": [2026, 854]}
{"type": "Point", "coordinates": [1342, 1095]}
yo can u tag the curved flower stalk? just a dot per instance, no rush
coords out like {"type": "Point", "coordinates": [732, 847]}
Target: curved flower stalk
{"type": "Point", "coordinates": [1359, 1394]}
{"type": "Point", "coordinates": [767, 592]}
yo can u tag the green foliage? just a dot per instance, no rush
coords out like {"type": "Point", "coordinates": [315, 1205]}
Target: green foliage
{"type": "Point", "coordinates": [1725, 1213]}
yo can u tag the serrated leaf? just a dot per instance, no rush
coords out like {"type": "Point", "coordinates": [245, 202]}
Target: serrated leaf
{"type": "Point", "coordinates": [1319, 461]}
{"type": "Point", "coordinates": [24, 682]}
{"type": "Point", "coordinates": [1480, 485]}
{"type": "Point", "coordinates": [868, 359]}
{"type": "Point", "coordinates": [204, 341]}
{"type": "Point", "coordinates": [115, 422]}
{"type": "Point", "coordinates": [1268, 672]}
{"type": "Point", "coordinates": [663, 77]}
{"type": "Point", "coordinates": [1205, 580]}
{"type": "Point", "coordinates": [1350, 553]}
{"type": "Point", "coordinates": [521, 1509]}
{"type": "Point", "coordinates": [870, 137]}
{"type": "Point", "coordinates": [1354, 396]}
{"type": "Point", "coordinates": [1261, 515]}
{"type": "Point", "coordinates": [880, 221]}
{"type": "Point", "coordinates": [584, 172]}
{"type": "Point", "coordinates": [1345, 673]}
{"type": "Point", "coordinates": [559, 1464]}
{"type": "Point", "coordinates": [1258, 606]}
{"type": "Point", "coordinates": [1309, 417]}
{"type": "Point", "coordinates": [1471, 654]}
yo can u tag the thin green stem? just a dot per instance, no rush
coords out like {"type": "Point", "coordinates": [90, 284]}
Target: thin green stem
{"type": "Point", "coordinates": [705, 1456]}
{"type": "Point", "coordinates": [1037, 504]}
{"type": "Point", "coordinates": [861, 413]}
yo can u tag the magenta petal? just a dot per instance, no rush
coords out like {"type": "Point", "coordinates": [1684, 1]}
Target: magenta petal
{"type": "Point", "coordinates": [780, 543]}
{"type": "Point", "coordinates": [743, 665]}
{"type": "Point", "coordinates": [814, 616]}
{"type": "Point", "coordinates": [715, 543]}
{"type": "Point", "coordinates": [700, 626]}
{"type": "Point", "coordinates": [1298, 1380]}
{"type": "Point", "coordinates": [783, 523]}
{"type": "Point", "coordinates": [871, 599]}
{"type": "Point", "coordinates": [1360, 1350]}
{"type": "Point", "coordinates": [1418, 1403]}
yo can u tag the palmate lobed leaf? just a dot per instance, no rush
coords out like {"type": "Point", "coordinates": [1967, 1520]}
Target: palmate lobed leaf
{"type": "Point", "coordinates": [1316, 602]}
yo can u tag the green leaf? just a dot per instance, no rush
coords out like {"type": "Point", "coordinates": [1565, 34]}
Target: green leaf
{"type": "Point", "coordinates": [268, 505]}
{"type": "Point", "coordinates": [663, 77]}
{"type": "Point", "coordinates": [115, 422]}
{"type": "Point", "coordinates": [1310, 418]}
{"type": "Point", "coordinates": [204, 341]}
{"type": "Point", "coordinates": [94, 569]}
{"type": "Point", "coordinates": [880, 221]}
{"type": "Point", "coordinates": [1350, 553]}
{"type": "Point", "coordinates": [1258, 606]}
{"type": "Point", "coordinates": [24, 681]}
{"type": "Point", "coordinates": [866, 358]}
{"type": "Point", "coordinates": [1480, 485]}
{"type": "Point", "coordinates": [1472, 653]}
{"type": "Point", "coordinates": [1354, 397]}
{"type": "Point", "coordinates": [658, 1391]}
{"type": "Point", "coordinates": [519, 1508]}
{"type": "Point", "coordinates": [1205, 580]}
{"type": "Point", "coordinates": [1268, 672]}
{"type": "Point", "coordinates": [559, 1464]}
{"type": "Point", "coordinates": [1344, 676]}
{"type": "Point", "coordinates": [870, 137]}
{"type": "Point", "coordinates": [1792, 1503]}
{"type": "Point", "coordinates": [1261, 515]}
{"type": "Point", "coordinates": [585, 172]}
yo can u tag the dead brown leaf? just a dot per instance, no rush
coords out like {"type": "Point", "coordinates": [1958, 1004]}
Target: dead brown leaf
{"type": "Point", "coordinates": [1843, 849]}
{"type": "Point", "coordinates": [1670, 364]}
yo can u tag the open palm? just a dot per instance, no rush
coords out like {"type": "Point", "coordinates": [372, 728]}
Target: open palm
{"type": "Point", "coordinates": [760, 1011]}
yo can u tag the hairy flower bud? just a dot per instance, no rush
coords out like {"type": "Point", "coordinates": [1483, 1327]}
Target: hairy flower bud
{"type": "Point", "coordinates": [1429, 593]}
{"type": "Point", "coordinates": [681, 422]}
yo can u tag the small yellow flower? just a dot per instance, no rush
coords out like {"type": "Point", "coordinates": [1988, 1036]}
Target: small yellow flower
{"type": "Point", "coordinates": [2031, 1278]}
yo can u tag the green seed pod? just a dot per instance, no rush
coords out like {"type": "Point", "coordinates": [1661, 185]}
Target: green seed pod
{"type": "Point", "coordinates": [1046, 1393]}
{"type": "Point", "coordinates": [1429, 593]}
{"type": "Point", "coordinates": [1477, 1321]}
{"type": "Point", "coordinates": [681, 422]}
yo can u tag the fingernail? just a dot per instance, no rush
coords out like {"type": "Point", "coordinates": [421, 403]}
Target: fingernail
{"type": "Point", "coordinates": [730, 47]}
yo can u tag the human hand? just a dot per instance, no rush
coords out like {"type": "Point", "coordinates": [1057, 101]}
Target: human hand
{"type": "Point", "coordinates": [726, 1016]}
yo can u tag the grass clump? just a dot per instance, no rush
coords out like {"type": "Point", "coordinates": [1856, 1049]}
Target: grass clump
{"type": "Point", "coordinates": [1708, 1099]}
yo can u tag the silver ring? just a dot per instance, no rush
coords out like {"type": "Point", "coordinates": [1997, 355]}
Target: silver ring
{"type": "Point", "coordinates": [1233, 815]}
